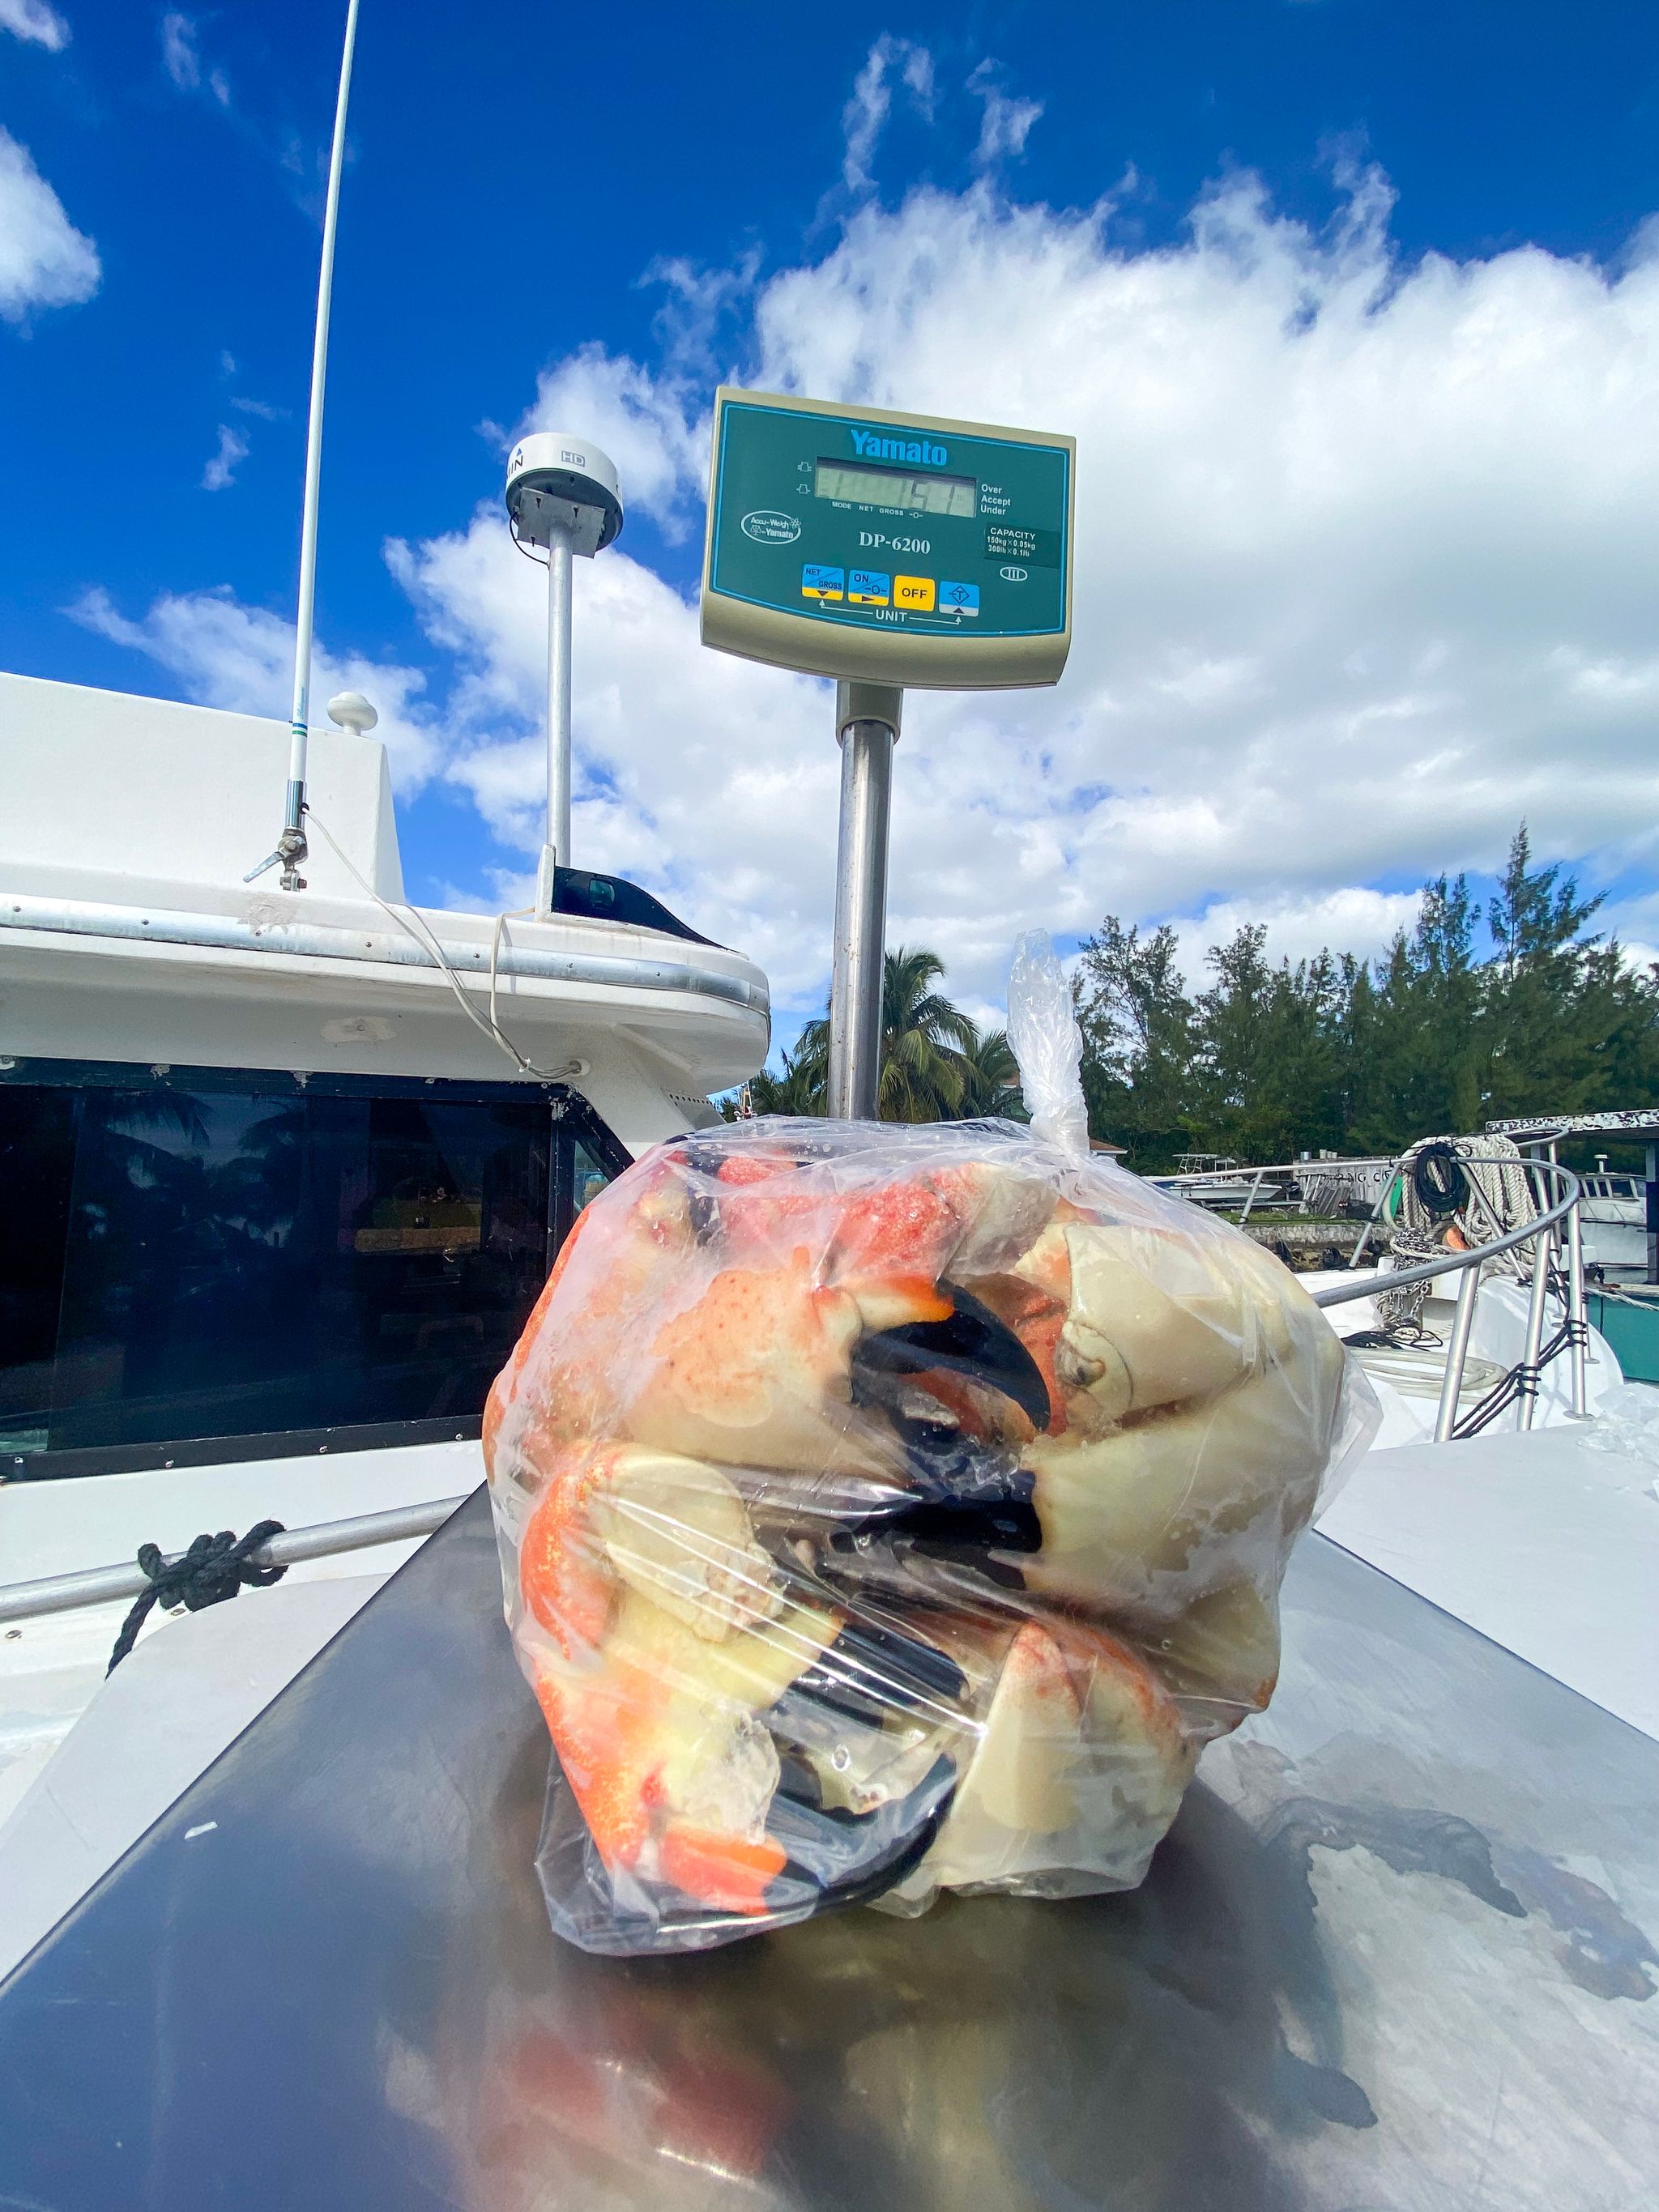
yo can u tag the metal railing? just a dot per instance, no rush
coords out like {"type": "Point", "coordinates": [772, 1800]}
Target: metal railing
{"type": "Point", "coordinates": [108, 1585]}
{"type": "Point", "coordinates": [1558, 1222]}
{"type": "Point", "coordinates": [1520, 1384]}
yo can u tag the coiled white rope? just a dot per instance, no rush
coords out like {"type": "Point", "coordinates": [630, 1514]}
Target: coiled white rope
{"type": "Point", "coordinates": [1501, 1199]}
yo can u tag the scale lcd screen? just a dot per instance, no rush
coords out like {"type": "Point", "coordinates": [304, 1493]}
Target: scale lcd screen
{"type": "Point", "coordinates": [867, 485]}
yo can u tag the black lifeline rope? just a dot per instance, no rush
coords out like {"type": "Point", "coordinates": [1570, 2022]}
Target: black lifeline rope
{"type": "Point", "coordinates": [1439, 1179]}
{"type": "Point", "coordinates": [212, 1569]}
{"type": "Point", "coordinates": [1522, 1381]}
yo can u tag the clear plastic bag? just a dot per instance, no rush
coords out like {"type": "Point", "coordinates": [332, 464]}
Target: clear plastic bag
{"type": "Point", "coordinates": [888, 1509]}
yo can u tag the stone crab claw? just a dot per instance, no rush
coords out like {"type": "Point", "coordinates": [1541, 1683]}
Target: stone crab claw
{"type": "Point", "coordinates": [887, 1242]}
{"type": "Point", "coordinates": [627, 1251]}
{"type": "Point", "coordinates": [971, 1365]}
{"type": "Point", "coordinates": [823, 1288]}
{"type": "Point", "coordinates": [756, 1370]}
{"type": "Point", "coordinates": [1194, 1394]}
{"type": "Point", "coordinates": [661, 1630]}
{"type": "Point", "coordinates": [1064, 1749]}
{"type": "Point", "coordinates": [1197, 1393]}
{"type": "Point", "coordinates": [682, 1673]}
{"type": "Point", "coordinates": [1123, 1317]}
{"type": "Point", "coordinates": [1077, 1765]}
{"type": "Point", "coordinates": [735, 1315]}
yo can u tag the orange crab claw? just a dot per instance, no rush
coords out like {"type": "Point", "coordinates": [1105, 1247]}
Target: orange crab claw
{"type": "Point", "coordinates": [659, 1743]}
{"type": "Point", "coordinates": [887, 1244]}
{"type": "Point", "coordinates": [660, 1630]}
{"type": "Point", "coordinates": [723, 1872]}
{"type": "Point", "coordinates": [757, 1372]}
{"type": "Point", "coordinates": [560, 1384]}
{"type": "Point", "coordinates": [1080, 1761]}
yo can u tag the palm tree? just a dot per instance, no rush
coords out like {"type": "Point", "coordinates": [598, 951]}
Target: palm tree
{"type": "Point", "coordinates": [991, 1077]}
{"type": "Point", "coordinates": [925, 1044]}
{"type": "Point", "coordinates": [935, 1064]}
{"type": "Point", "coordinates": [796, 1090]}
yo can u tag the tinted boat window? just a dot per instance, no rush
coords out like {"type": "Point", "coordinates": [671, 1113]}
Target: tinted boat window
{"type": "Point", "coordinates": [37, 1156]}
{"type": "Point", "coordinates": [223, 1262]}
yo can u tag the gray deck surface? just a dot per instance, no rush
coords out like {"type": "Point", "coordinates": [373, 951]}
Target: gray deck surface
{"type": "Point", "coordinates": [1399, 1951]}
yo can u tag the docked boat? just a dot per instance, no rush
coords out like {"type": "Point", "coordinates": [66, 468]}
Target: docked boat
{"type": "Point", "coordinates": [1615, 1217]}
{"type": "Point", "coordinates": [1217, 1181]}
{"type": "Point", "coordinates": [284, 1170]}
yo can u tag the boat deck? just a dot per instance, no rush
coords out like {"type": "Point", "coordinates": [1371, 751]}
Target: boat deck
{"type": "Point", "coordinates": [1544, 1544]}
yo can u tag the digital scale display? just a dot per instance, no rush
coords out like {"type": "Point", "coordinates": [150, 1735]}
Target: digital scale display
{"type": "Point", "coordinates": [863, 486]}
{"type": "Point", "coordinates": [858, 543]}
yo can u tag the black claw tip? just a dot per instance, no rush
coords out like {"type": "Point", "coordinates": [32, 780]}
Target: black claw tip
{"type": "Point", "coordinates": [973, 1343]}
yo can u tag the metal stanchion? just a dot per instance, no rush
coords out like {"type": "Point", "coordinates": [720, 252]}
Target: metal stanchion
{"type": "Point", "coordinates": [1376, 1215]}
{"type": "Point", "coordinates": [1541, 1275]}
{"type": "Point", "coordinates": [1457, 1352]}
{"type": "Point", "coordinates": [867, 724]}
{"type": "Point", "coordinates": [1578, 1313]}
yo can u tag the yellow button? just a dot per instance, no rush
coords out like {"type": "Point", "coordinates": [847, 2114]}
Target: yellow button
{"type": "Point", "coordinates": [916, 593]}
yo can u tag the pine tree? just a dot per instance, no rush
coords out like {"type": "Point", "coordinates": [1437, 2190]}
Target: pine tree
{"type": "Point", "coordinates": [1269, 1061]}
{"type": "Point", "coordinates": [1138, 1043]}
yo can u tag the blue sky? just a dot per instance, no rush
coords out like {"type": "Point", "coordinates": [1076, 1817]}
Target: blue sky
{"type": "Point", "coordinates": [1349, 301]}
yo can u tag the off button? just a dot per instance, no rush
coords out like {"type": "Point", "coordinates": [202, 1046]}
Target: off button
{"type": "Point", "coordinates": [916, 593]}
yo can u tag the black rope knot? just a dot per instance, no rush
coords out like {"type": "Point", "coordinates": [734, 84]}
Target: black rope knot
{"type": "Point", "coordinates": [212, 1569]}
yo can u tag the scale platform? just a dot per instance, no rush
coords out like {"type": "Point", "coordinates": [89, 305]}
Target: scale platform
{"type": "Point", "coordinates": [1398, 1951]}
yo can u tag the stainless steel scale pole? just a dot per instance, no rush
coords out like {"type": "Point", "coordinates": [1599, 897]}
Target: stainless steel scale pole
{"type": "Point", "coordinates": [868, 718]}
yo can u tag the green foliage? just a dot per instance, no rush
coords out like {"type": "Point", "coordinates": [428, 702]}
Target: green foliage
{"type": "Point", "coordinates": [1333, 1053]}
{"type": "Point", "coordinates": [1139, 1039]}
{"type": "Point", "coordinates": [1270, 1060]}
{"type": "Point", "coordinates": [935, 1064]}
{"type": "Point", "coordinates": [991, 1077]}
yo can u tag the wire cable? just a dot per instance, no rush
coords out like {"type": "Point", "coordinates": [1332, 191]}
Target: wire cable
{"type": "Point", "coordinates": [410, 921]}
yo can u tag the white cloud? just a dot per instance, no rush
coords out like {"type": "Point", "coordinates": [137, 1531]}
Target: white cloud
{"type": "Point", "coordinates": [709, 779]}
{"type": "Point", "coordinates": [1350, 920]}
{"type": "Point", "coordinates": [182, 58]}
{"type": "Point", "coordinates": [1364, 573]}
{"type": "Point", "coordinates": [223, 654]}
{"type": "Point", "coordinates": [180, 55]}
{"type": "Point", "coordinates": [1007, 123]}
{"type": "Point", "coordinates": [646, 423]}
{"type": "Point", "coordinates": [45, 262]}
{"type": "Point", "coordinates": [865, 117]}
{"type": "Point", "coordinates": [35, 22]}
{"type": "Point", "coordinates": [222, 465]}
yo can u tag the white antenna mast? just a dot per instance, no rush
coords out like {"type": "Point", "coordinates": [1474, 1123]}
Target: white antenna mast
{"type": "Point", "coordinates": [291, 847]}
{"type": "Point", "coordinates": [561, 493]}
